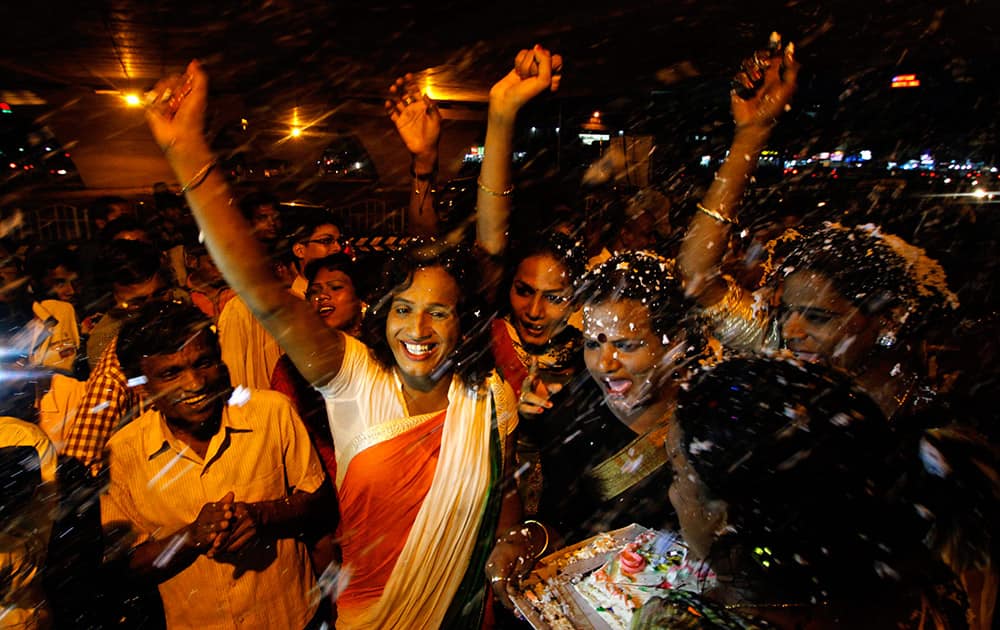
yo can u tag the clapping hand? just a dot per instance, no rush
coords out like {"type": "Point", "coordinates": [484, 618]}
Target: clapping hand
{"type": "Point", "coordinates": [210, 529]}
{"type": "Point", "coordinates": [243, 529]}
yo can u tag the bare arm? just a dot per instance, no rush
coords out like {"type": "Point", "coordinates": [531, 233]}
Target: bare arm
{"type": "Point", "coordinates": [515, 543]}
{"type": "Point", "coordinates": [707, 237]}
{"type": "Point", "coordinates": [176, 118]}
{"type": "Point", "coordinates": [534, 72]}
{"type": "Point", "coordinates": [418, 122]}
{"type": "Point", "coordinates": [280, 518]}
{"type": "Point", "coordinates": [510, 510]}
{"type": "Point", "coordinates": [708, 233]}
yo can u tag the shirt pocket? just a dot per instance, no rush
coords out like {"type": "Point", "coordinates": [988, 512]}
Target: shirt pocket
{"type": "Point", "coordinates": [264, 486]}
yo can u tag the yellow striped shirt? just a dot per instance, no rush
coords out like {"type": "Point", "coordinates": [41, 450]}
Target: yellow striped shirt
{"type": "Point", "coordinates": [158, 485]}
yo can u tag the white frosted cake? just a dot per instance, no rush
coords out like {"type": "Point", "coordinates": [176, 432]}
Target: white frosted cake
{"type": "Point", "coordinates": [652, 563]}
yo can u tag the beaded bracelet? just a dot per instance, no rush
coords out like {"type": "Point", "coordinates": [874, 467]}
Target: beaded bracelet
{"type": "Point", "coordinates": [490, 191]}
{"type": "Point", "coordinates": [716, 215]}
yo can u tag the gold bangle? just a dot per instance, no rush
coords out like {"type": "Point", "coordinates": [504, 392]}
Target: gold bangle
{"type": "Point", "coordinates": [544, 531]}
{"type": "Point", "coordinates": [199, 178]}
{"type": "Point", "coordinates": [490, 191]}
{"type": "Point", "coordinates": [716, 215]}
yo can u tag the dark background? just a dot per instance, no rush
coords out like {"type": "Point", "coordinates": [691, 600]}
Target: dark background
{"type": "Point", "coordinates": [652, 67]}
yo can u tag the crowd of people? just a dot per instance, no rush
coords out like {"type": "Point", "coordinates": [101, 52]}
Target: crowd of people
{"type": "Point", "coordinates": [238, 424]}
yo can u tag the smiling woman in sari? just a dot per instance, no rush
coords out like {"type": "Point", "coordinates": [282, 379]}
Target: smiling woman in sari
{"type": "Point", "coordinates": [419, 418]}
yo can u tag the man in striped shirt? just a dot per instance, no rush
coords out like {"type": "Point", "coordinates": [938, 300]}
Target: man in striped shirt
{"type": "Point", "coordinates": [208, 493]}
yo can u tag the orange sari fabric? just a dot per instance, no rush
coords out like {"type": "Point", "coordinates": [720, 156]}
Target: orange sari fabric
{"type": "Point", "coordinates": [507, 361]}
{"type": "Point", "coordinates": [382, 491]}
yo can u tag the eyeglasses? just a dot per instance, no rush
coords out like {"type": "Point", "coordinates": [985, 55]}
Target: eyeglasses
{"type": "Point", "coordinates": [325, 241]}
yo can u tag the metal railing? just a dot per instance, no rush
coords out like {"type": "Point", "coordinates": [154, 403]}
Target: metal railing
{"type": "Point", "coordinates": [54, 223]}
{"type": "Point", "coordinates": [65, 222]}
{"type": "Point", "coordinates": [372, 216]}
{"type": "Point", "coordinates": [61, 222]}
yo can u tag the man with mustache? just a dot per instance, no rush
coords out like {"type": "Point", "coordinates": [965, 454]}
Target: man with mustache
{"type": "Point", "coordinates": [209, 492]}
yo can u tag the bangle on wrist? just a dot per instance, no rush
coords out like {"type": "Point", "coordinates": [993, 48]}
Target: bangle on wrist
{"type": "Point", "coordinates": [495, 193]}
{"type": "Point", "coordinates": [545, 531]}
{"type": "Point", "coordinates": [715, 214]}
{"type": "Point", "coordinates": [423, 177]}
{"type": "Point", "coordinates": [199, 177]}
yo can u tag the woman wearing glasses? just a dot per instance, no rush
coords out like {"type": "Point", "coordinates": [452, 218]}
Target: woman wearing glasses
{"type": "Point", "coordinates": [316, 237]}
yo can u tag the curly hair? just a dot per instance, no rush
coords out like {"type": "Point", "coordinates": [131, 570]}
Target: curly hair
{"type": "Point", "coordinates": [647, 278]}
{"type": "Point", "coordinates": [806, 464]}
{"type": "Point", "coordinates": [563, 249]}
{"type": "Point", "coordinates": [874, 270]}
{"type": "Point", "coordinates": [472, 359]}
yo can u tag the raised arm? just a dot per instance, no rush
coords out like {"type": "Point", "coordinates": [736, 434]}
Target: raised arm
{"type": "Point", "coordinates": [708, 233]}
{"type": "Point", "coordinates": [176, 113]}
{"type": "Point", "coordinates": [418, 122]}
{"type": "Point", "coordinates": [534, 71]}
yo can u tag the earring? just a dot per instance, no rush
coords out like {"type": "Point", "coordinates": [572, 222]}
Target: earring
{"type": "Point", "coordinates": [887, 339]}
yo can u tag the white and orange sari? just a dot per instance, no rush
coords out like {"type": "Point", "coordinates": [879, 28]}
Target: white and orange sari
{"type": "Point", "coordinates": [419, 497]}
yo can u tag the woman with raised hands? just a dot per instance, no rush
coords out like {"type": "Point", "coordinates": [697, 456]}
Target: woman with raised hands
{"type": "Point", "coordinates": [418, 123]}
{"type": "Point", "coordinates": [763, 90]}
{"type": "Point", "coordinates": [852, 297]}
{"type": "Point", "coordinates": [420, 421]}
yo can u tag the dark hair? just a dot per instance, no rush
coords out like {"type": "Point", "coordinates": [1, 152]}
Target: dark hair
{"type": "Point", "coordinates": [160, 328]}
{"type": "Point", "coordinates": [102, 207]}
{"type": "Point", "coordinates": [954, 476]}
{"type": "Point", "coordinates": [337, 262]}
{"type": "Point", "coordinates": [129, 262]}
{"type": "Point", "coordinates": [308, 222]}
{"type": "Point", "coordinates": [805, 462]}
{"type": "Point", "coordinates": [472, 359]}
{"type": "Point", "coordinates": [123, 224]}
{"type": "Point", "coordinates": [647, 278]}
{"type": "Point", "coordinates": [255, 200]}
{"type": "Point", "coordinates": [565, 250]}
{"type": "Point", "coordinates": [45, 260]}
{"type": "Point", "coordinates": [873, 270]}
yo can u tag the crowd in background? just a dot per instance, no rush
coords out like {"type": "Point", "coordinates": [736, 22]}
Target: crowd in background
{"type": "Point", "coordinates": [216, 414]}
